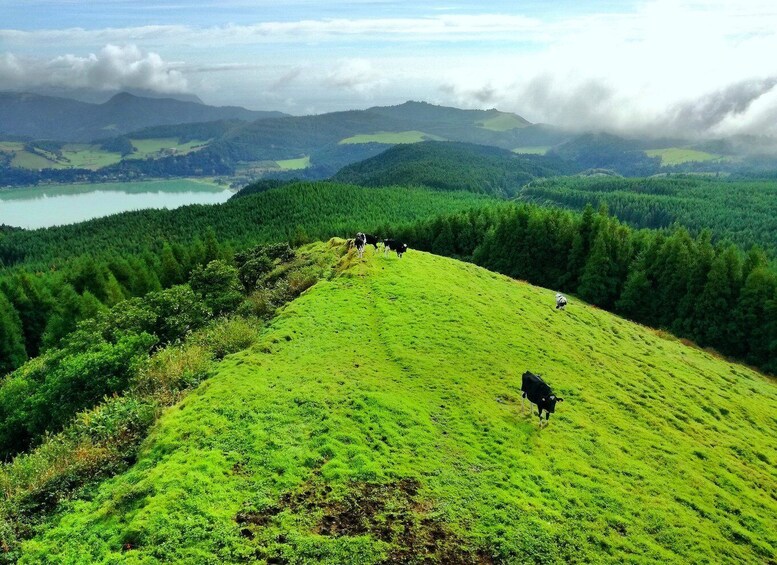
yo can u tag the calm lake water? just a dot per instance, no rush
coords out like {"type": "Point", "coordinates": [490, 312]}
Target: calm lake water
{"type": "Point", "coordinates": [40, 207]}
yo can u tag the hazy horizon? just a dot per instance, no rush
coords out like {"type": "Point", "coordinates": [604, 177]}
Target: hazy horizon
{"type": "Point", "coordinates": [657, 67]}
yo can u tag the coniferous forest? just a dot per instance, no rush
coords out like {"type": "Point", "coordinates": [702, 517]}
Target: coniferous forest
{"type": "Point", "coordinates": [712, 292]}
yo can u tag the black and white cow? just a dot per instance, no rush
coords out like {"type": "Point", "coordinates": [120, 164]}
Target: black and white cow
{"type": "Point", "coordinates": [539, 393]}
{"type": "Point", "coordinates": [360, 241]}
{"type": "Point", "coordinates": [394, 245]}
{"type": "Point", "coordinates": [561, 301]}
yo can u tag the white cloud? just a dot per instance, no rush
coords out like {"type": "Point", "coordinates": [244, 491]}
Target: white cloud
{"type": "Point", "coordinates": [665, 66]}
{"type": "Point", "coordinates": [112, 68]}
{"type": "Point", "coordinates": [356, 75]}
{"type": "Point", "coordinates": [440, 27]}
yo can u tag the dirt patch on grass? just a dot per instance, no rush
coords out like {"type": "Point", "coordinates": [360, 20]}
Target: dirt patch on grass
{"type": "Point", "coordinates": [393, 513]}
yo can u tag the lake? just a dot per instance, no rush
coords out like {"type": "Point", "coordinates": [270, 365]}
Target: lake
{"type": "Point", "coordinates": [54, 205]}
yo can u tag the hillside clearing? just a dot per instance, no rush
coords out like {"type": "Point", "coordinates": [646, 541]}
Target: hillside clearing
{"type": "Point", "coordinates": [294, 164]}
{"type": "Point", "coordinates": [145, 148]}
{"type": "Point", "coordinates": [679, 155]}
{"type": "Point", "coordinates": [503, 121]}
{"type": "Point", "coordinates": [378, 419]}
{"type": "Point", "coordinates": [533, 150]}
{"type": "Point", "coordinates": [390, 137]}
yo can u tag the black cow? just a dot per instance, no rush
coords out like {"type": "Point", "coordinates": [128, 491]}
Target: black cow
{"type": "Point", "coordinates": [360, 241]}
{"type": "Point", "coordinates": [394, 245]}
{"type": "Point", "coordinates": [539, 393]}
{"type": "Point", "coordinates": [561, 301]}
{"type": "Point", "coordinates": [372, 240]}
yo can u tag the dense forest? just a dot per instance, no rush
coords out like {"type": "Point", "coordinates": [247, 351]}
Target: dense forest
{"type": "Point", "coordinates": [57, 276]}
{"type": "Point", "coordinates": [744, 212]}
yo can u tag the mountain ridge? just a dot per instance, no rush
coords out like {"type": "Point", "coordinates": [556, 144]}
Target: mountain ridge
{"type": "Point", "coordinates": [62, 119]}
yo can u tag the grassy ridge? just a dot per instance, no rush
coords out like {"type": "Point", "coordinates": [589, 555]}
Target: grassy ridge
{"type": "Point", "coordinates": [378, 419]}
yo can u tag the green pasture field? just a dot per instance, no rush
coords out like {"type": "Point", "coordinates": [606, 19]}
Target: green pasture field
{"type": "Point", "coordinates": [679, 155]}
{"type": "Point", "coordinates": [533, 150]}
{"type": "Point", "coordinates": [74, 155]}
{"type": "Point", "coordinates": [379, 420]}
{"type": "Point", "coordinates": [502, 122]}
{"type": "Point", "coordinates": [27, 160]}
{"type": "Point", "coordinates": [390, 137]}
{"type": "Point", "coordinates": [153, 147]}
{"type": "Point", "coordinates": [294, 164]}
{"type": "Point", "coordinates": [84, 156]}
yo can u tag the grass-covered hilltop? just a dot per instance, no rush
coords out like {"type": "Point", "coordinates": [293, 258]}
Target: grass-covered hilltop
{"type": "Point", "coordinates": [376, 419]}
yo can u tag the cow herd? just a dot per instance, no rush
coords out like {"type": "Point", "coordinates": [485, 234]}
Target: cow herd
{"type": "Point", "coordinates": [532, 386]}
{"type": "Point", "coordinates": [362, 240]}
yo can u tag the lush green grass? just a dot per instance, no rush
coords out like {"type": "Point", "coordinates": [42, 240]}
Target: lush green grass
{"type": "Point", "coordinates": [533, 150]}
{"type": "Point", "coordinates": [391, 137]}
{"type": "Point", "coordinates": [157, 146]}
{"type": "Point", "coordinates": [503, 121]}
{"type": "Point", "coordinates": [378, 417]}
{"type": "Point", "coordinates": [74, 155]}
{"type": "Point", "coordinates": [679, 155]}
{"type": "Point", "coordinates": [82, 156]}
{"type": "Point", "coordinates": [294, 164]}
{"type": "Point", "coordinates": [27, 160]}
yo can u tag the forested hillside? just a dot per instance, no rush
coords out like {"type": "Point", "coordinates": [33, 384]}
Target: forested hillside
{"type": "Point", "coordinates": [453, 166]}
{"type": "Point", "coordinates": [54, 277]}
{"type": "Point", "coordinates": [711, 292]}
{"type": "Point", "coordinates": [744, 212]}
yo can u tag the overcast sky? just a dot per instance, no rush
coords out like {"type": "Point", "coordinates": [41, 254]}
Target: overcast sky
{"type": "Point", "coordinates": [668, 67]}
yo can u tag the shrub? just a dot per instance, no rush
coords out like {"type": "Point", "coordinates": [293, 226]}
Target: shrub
{"type": "Point", "coordinates": [227, 336]}
{"type": "Point", "coordinates": [173, 369]}
{"type": "Point", "coordinates": [218, 285]}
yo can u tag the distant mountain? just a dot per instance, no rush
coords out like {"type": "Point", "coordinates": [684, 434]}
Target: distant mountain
{"type": "Point", "coordinates": [96, 96]}
{"type": "Point", "coordinates": [416, 121]}
{"type": "Point", "coordinates": [453, 166]}
{"type": "Point", "coordinates": [46, 117]}
{"type": "Point", "coordinates": [610, 152]}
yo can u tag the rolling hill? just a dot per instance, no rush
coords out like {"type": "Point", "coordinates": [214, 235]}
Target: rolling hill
{"type": "Point", "coordinates": [378, 421]}
{"type": "Point", "coordinates": [45, 117]}
{"type": "Point", "coordinates": [453, 166]}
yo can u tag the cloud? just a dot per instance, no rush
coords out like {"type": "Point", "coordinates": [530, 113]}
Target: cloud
{"type": "Point", "coordinates": [445, 27]}
{"type": "Point", "coordinates": [731, 108]}
{"type": "Point", "coordinates": [356, 75]}
{"type": "Point", "coordinates": [663, 67]}
{"type": "Point", "coordinates": [112, 68]}
{"type": "Point", "coordinates": [286, 79]}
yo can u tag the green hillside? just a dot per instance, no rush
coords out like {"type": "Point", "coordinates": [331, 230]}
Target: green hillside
{"type": "Point", "coordinates": [453, 166]}
{"type": "Point", "coordinates": [378, 420]}
{"type": "Point", "coordinates": [743, 211]}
